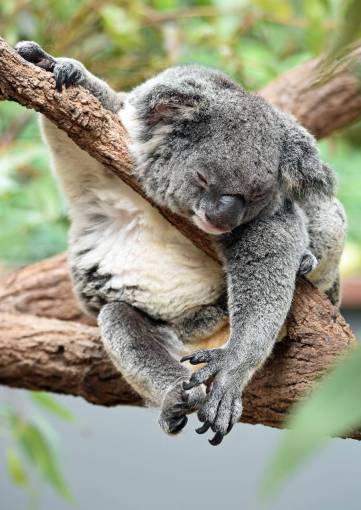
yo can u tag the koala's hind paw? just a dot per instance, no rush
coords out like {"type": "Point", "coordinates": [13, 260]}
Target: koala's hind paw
{"type": "Point", "coordinates": [176, 405]}
{"type": "Point", "coordinates": [308, 263]}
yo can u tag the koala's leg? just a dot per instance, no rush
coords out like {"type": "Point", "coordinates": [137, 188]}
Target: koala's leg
{"type": "Point", "coordinates": [327, 231]}
{"type": "Point", "coordinates": [147, 354]}
{"type": "Point", "coordinates": [68, 71]}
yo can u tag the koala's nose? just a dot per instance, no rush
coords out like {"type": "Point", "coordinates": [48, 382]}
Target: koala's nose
{"type": "Point", "coordinates": [226, 212]}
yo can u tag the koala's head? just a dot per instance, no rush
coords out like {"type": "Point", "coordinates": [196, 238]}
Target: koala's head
{"type": "Point", "coordinates": [216, 154]}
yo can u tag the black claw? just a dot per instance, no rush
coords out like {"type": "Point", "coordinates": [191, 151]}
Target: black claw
{"type": "Point", "coordinates": [72, 78]}
{"type": "Point", "coordinates": [203, 428]}
{"type": "Point", "coordinates": [64, 78]}
{"type": "Point", "coordinates": [188, 385]}
{"type": "Point", "coordinates": [185, 397]}
{"type": "Point", "coordinates": [216, 440]}
{"type": "Point", "coordinates": [59, 82]}
{"type": "Point", "coordinates": [186, 358]}
{"type": "Point", "coordinates": [230, 427]}
{"type": "Point", "coordinates": [177, 424]}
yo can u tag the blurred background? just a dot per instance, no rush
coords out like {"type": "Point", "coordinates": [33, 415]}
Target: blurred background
{"type": "Point", "coordinates": [118, 458]}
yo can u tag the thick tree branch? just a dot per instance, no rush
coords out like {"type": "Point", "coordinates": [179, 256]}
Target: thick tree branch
{"type": "Point", "coordinates": [47, 343]}
{"type": "Point", "coordinates": [55, 353]}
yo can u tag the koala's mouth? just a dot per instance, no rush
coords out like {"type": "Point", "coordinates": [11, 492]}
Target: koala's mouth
{"type": "Point", "coordinates": [207, 226]}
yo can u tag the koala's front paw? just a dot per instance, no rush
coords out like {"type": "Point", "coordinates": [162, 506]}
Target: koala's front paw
{"type": "Point", "coordinates": [67, 72]}
{"type": "Point", "coordinates": [33, 53]}
{"type": "Point", "coordinates": [223, 405]}
{"type": "Point", "coordinates": [176, 405]}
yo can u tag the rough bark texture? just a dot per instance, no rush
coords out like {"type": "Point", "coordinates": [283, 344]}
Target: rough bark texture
{"type": "Point", "coordinates": [47, 343]}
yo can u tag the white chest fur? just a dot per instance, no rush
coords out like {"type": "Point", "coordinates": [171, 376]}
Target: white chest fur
{"type": "Point", "coordinates": [130, 240]}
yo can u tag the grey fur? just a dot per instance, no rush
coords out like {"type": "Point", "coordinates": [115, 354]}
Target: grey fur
{"type": "Point", "coordinates": [239, 169]}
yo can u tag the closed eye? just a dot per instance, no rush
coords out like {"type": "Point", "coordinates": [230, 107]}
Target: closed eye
{"type": "Point", "coordinates": [259, 196]}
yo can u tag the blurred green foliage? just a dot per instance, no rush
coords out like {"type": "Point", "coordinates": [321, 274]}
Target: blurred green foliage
{"type": "Point", "coordinates": [32, 212]}
{"type": "Point", "coordinates": [332, 409]}
{"type": "Point", "coordinates": [33, 452]}
{"type": "Point", "coordinates": [125, 42]}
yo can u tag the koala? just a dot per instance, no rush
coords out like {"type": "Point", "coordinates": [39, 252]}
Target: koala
{"type": "Point", "coordinates": [243, 172]}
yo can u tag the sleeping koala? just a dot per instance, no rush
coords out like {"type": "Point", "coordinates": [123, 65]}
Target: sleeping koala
{"type": "Point", "coordinates": [245, 173]}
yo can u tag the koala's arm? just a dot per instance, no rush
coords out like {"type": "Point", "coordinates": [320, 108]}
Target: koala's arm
{"type": "Point", "coordinates": [261, 260]}
{"type": "Point", "coordinates": [78, 172]}
{"type": "Point", "coordinates": [67, 72]}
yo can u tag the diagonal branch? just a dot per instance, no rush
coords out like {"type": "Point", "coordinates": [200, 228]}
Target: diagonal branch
{"type": "Point", "coordinates": [321, 109]}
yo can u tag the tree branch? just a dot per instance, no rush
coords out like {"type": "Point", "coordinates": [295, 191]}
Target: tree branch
{"type": "Point", "coordinates": [47, 343]}
{"type": "Point", "coordinates": [321, 101]}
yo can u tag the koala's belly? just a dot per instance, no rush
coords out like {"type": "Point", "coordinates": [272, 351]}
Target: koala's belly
{"type": "Point", "coordinates": [132, 253]}
{"type": "Point", "coordinates": [164, 280]}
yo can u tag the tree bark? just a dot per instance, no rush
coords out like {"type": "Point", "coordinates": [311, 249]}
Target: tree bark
{"type": "Point", "coordinates": [321, 103]}
{"type": "Point", "coordinates": [47, 343]}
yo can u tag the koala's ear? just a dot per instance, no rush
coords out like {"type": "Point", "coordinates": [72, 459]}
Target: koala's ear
{"type": "Point", "coordinates": [302, 172]}
{"type": "Point", "coordinates": [170, 105]}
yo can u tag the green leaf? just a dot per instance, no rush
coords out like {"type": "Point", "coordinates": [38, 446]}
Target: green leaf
{"type": "Point", "coordinates": [333, 408]}
{"type": "Point", "coordinates": [15, 468]}
{"type": "Point", "coordinates": [50, 404]}
{"type": "Point", "coordinates": [39, 452]}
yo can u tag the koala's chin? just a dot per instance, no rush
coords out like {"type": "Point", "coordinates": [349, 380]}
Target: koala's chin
{"type": "Point", "coordinates": [203, 224]}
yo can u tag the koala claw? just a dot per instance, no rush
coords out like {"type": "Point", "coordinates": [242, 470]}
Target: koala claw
{"type": "Point", "coordinates": [176, 405]}
{"type": "Point", "coordinates": [216, 440]}
{"type": "Point", "coordinates": [214, 359]}
{"type": "Point", "coordinates": [203, 429]}
{"type": "Point", "coordinates": [223, 405]}
{"type": "Point", "coordinates": [67, 72]}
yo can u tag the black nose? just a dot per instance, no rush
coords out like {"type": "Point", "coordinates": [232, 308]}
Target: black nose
{"type": "Point", "coordinates": [226, 212]}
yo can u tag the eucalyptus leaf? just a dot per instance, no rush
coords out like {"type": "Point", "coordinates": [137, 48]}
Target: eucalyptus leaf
{"type": "Point", "coordinates": [49, 403]}
{"type": "Point", "coordinates": [41, 455]}
{"type": "Point", "coordinates": [15, 468]}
